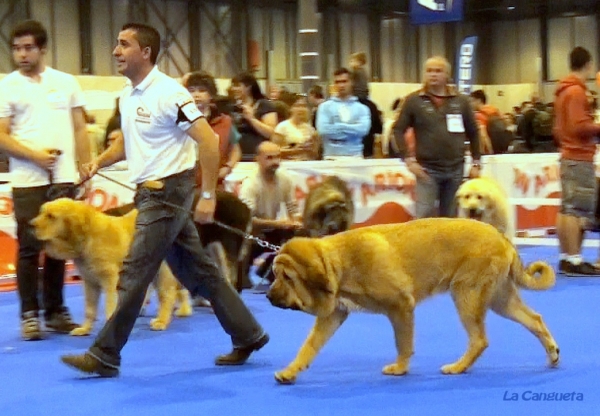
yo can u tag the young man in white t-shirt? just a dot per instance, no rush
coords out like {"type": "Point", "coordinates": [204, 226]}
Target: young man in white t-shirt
{"type": "Point", "coordinates": [160, 123]}
{"type": "Point", "coordinates": [43, 130]}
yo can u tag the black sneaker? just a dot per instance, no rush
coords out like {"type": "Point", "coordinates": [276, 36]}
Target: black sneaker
{"type": "Point", "coordinates": [562, 266]}
{"type": "Point", "coordinates": [581, 270]}
{"type": "Point", "coordinates": [61, 322]}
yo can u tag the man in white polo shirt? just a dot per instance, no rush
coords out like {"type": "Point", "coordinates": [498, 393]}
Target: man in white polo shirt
{"type": "Point", "coordinates": [43, 130]}
{"type": "Point", "coordinates": [160, 123]}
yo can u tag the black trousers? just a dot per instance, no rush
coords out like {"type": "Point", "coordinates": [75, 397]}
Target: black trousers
{"type": "Point", "coordinates": [27, 203]}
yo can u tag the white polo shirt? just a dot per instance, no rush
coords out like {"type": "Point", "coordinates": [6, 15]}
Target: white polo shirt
{"type": "Point", "coordinates": [155, 116]}
{"type": "Point", "coordinates": [41, 118]}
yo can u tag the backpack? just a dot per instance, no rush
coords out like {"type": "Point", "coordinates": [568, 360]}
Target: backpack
{"type": "Point", "coordinates": [499, 134]}
{"type": "Point", "coordinates": [543, 121]}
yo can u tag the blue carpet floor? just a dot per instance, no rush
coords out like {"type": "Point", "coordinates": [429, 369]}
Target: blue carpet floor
{"type": "Point", "coordinates": [172, 373]}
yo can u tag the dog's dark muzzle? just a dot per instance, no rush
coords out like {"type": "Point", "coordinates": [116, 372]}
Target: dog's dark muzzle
{"type": "Point", "coordinates": [279, 304]}
{"type": "Point", "coordinates": [475, 214]}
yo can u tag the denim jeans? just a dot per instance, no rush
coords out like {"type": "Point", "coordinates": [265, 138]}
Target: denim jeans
{"type": "Point", "coordinates": [578, 184]}
{"type": "Point", "coordinates": [27, 203]}
{"type": "Point", "coordinates": [164, 232]}
{"type": "Point", "coordinates": [439, 186]}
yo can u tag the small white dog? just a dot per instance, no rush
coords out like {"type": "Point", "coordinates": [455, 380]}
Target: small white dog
{"type": "Point", "coordinates": [484, 200]}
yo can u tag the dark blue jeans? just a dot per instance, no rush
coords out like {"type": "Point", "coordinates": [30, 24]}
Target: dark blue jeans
{"type": "Point", "coordinates": [163, 232]}
{"type": "Point", "coordinates": [441, 186]}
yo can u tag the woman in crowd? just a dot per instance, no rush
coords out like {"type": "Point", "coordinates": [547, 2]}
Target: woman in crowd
{"type": "Point", "coordinates": [254, 115]}
{"type": "Point", "coordinates": [296, 136]}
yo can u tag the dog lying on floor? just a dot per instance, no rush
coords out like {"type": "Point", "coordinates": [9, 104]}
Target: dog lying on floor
{"type": "Point", "coordinates": [484, 200]}
{"type": "Point", "coordinates": [98, 244]}
{"type": "Point", "coordinates": [334, 275]}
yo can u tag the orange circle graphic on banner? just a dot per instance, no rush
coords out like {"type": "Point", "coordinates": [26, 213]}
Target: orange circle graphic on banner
{"type": "Point", "coordinates": [8, 254]}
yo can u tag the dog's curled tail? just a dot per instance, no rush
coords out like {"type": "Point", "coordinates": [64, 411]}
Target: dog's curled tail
{"type": "Point", "coordinates": [526, 277]}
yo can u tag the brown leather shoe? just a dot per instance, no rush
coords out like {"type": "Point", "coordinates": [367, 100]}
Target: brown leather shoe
{"type": "Point", "coordinates": [89, 364]}
{"type": "Point", "coordinates": [240, 355]}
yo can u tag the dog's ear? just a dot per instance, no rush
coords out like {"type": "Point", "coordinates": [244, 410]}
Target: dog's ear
{"type": "Point", "coordinates": [76, 224]}
{"type": "Point", "coordinates": [319, 273]}
{"type": "Point", "coordinates": [279, 262]}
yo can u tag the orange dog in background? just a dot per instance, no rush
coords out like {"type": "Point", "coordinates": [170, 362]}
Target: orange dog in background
{"type": "Point", "coordinates": [98, 244]}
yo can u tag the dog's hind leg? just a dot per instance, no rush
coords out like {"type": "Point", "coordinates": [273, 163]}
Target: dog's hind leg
{"type": "Point", "coordinates": [321, 332]}
{"type": "Point", "coordinates": [402, 319]}
{"type": "Point", "coordinates": [184, 308]}
{"type": "Point", "coordinates": [92, 297]}
{"type": "Point", "coordinates": [508, 303]}
{"type": "Point", "coordinates": [166, 288]}
{"type": "Point", "coordinates": [109, 284]}
{"type": "Point", "coordinates": [472, 307]}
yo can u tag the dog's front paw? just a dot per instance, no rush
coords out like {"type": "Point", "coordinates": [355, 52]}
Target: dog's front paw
{"type": "Point", "coordinates": [286, 376]}
{"type": "Point", "coordinates": [157, 325]}
{"type": "Point", "coordinates": [80, 331]}
{"type": "Point", "coordinates": [453, 369]}
{"type": "Point", "coordinates": [184, 310]}
{"type": "Point", "coordinates": [395, 370]}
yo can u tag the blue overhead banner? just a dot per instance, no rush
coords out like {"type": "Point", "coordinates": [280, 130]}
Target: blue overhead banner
{"type": "Point", "coordinates": [423, 12]}
{"type": "Point", "coordinates": [465, 65]}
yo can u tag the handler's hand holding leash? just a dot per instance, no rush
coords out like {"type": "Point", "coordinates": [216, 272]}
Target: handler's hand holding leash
{"type": "Point", "coordinates": [205, 210]}
{"type": "Point", "coordinates": [88, 170]}
{"type": "Point", "coordinates": [46, 158]}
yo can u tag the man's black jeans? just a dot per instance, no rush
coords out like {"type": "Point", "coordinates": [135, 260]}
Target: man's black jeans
{"type": "Point", "coordinates": [27, 203]}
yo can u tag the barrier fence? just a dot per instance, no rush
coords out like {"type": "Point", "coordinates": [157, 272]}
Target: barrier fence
{"type": "Point", "coordinates": [383, 192]}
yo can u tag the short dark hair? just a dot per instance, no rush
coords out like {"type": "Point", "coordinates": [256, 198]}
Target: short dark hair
{"type": "Point", "coordinates": [341, 71]}
{"type": "Point", "coordinates": [147, 37]}
{"type": "Point", "coordinates": [479, 95]}
{"type": "Point", "coordinates": [202, 79]}
{"type": "Point", "coordinates": [317, 91]}
{"type": "Point", "coordinates": [30, 28]}
{"type": "Point", "coordinates": [579, 57]}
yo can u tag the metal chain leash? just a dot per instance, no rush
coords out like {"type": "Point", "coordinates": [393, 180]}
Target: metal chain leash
{"type": "Point", "coordinates": [245, 235]}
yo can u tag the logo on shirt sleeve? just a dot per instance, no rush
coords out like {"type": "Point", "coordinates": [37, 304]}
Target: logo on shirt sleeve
{"type": "Point", "coordinates": [187, 110]}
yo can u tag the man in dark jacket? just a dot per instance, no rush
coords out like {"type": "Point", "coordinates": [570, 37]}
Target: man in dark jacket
{"type": "Point", "coordinates": [442, 121]}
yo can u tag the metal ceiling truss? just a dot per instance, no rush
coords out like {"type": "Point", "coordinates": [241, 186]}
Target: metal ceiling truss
{"type": "Point", "coordinates": [142, 10]}
{"type": "Point", "coordinates": [230, 40]}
